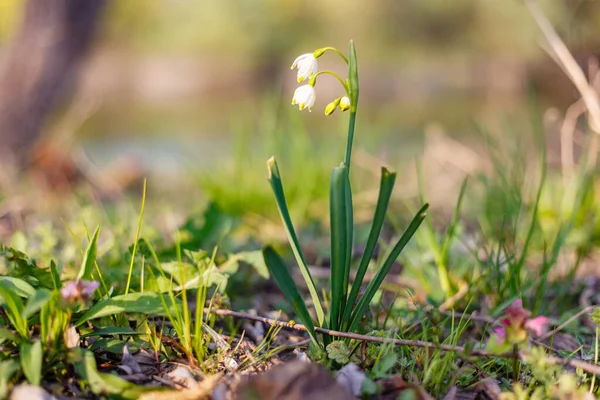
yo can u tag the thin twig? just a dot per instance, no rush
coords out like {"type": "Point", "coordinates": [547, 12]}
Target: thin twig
{"type": "Point", "coordinates": [460, 350]}
{"type": "Point", "coordinates": [567, 322]}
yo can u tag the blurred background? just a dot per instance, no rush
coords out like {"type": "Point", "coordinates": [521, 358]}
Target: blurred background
{"type": "Point", "coordinates": [195, 95]}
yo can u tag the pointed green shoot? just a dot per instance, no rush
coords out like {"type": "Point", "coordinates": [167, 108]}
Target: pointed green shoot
{"type": "Point", "coordinates": [89, 258]}
{"type": "Point", "coordinates": [353, 77]}
{"type": "Point", "coordinates": [277, 186]}
{"type": "Point", "coordinates": [285, 281]}
{"type": "Point", "coordinates": [365, 300]}
{"type": "Point", "coordinates": [340, 256]}
{"type": "Point", "coordinates": [385, 192]}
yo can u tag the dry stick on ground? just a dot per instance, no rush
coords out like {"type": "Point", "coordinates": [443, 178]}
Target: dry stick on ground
{"type": "Point", "coordinates": [460, 350]}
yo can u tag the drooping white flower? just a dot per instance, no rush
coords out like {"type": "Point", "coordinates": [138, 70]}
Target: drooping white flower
{"type": "Point", "coordinates": [307, 66]}
{"type": "Point", "coordinates": [305, 97]}
{"type": "Point", "coordinates": [344, 103]}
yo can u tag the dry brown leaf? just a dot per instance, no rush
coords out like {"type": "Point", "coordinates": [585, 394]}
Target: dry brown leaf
{"type": "Point", "coordinates": [202, 391]}
{"type": "Point", "coordinates": [393, 386]}
{"type": "Point", "coordinates": [295, 380]}
{"type": "Point", "coordinates": [351, 378]}
{"type": "Point", "coordinates": [490, 388]}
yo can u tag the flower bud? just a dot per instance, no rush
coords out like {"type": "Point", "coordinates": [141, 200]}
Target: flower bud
{"type": "Point", "coordinates": [332, 106]}
{"type": "Point", "coordinates": [344, 103]}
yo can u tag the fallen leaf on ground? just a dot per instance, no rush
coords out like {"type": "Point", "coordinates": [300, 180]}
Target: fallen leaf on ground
{"type": "Point", "coordinates": [395, 386]}
{"type": "Point", "coordinates": [201, 391]}
{"type": "Point", "coordinates": [296, 380]}
{"type": "Point", "coordinates": [351, 378]}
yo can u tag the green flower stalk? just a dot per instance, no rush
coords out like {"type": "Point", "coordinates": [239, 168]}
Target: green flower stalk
{"type": "Point", "coordinates": [346, 309]}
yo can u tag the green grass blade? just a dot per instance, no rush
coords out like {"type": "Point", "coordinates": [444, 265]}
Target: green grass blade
{"type": "Point", "coordinates": [283, 278]}
{"type": "Point", "coordinates": [385, 192]}
{"type": "Point", "coordinates": [385, 267]}
{"type": "Point", "coordinates": [339, 243]}
{"type": "Point", "coordinates": [89, 258]}
{"type": "Point", "coordinates": [137, 238]}
{"type": "Point", "coordinates": [277, 186]}
{"type": "Point", "coordinates": [443, 273]}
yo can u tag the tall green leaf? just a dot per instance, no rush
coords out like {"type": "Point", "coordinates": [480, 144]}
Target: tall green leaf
{"type": "Point", "coordinates": [277, 186]}
{"type": "Point", "coordinates": [385, 267]}
{"type": "Point", "coordinates": [283, 278]}
{"type": "Point", "coordinates": [339, 243]}
{"type": "Point", "coordinates": [349, 239]}
{"type": "Point", "coordinates": [89, 258]}
{"type": "Point", "coordinates": [386, 186]}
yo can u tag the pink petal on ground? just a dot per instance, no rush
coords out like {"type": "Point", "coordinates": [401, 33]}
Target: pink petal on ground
{"type": "Point", "coordinates": [69, 290]}
{"type": "Point", "coordinates": [89, 287]}
{"type": "Point", "coordinates": [537, 325]}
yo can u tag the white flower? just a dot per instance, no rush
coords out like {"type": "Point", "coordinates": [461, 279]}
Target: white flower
{"type": "Point", "coordinates": [307, 66]}
{"type": "Point", "coordinates": [304, 96]}
{"type": "Point", "coordinates": [345, 103]}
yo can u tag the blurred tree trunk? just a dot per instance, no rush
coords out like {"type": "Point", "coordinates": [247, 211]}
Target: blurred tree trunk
{"type": "Point", "coordinates": [40, 66]}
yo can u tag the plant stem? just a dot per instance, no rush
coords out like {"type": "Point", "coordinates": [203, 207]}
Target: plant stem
{"type": "Point", "coordinates": [350, 139]}
{"type": "Point", "coordinates": [337, 51]}
{"type": "Point", "coordinates": [515, 362]}
{"type": "Point", "coordinates": [595, 360]}
{"type": "Point", "coordinates": [336, 76]}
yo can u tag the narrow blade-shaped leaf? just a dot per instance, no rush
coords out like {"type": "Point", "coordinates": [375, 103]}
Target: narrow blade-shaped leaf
{"type": "Point", "coordinates": [283, 278]}
{"type": "Point", "coordinates": [277, 186]}
{"type": "Point", "coordinates": [385, 192]}
{"type": "Point", "coordinates": [89, 258]}
{"type": "Point", "coordinates": [339, 243]}
{"type": "Point", "coordinates": [55, 273]}
{"type": "Point", "coordinates": [385, 267]}
{"type": "Point", "coordinates": [349, 239]}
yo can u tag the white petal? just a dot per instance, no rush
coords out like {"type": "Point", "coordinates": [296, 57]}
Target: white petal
{"type": "Point", "coordinates": [307, 66]}
{"type": "Point", "coordinates": [304, 96]}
